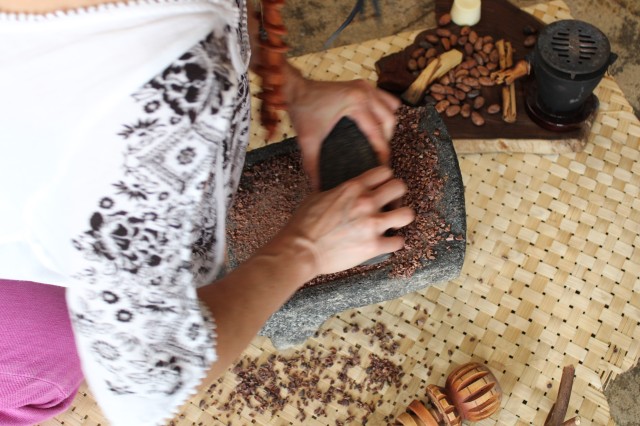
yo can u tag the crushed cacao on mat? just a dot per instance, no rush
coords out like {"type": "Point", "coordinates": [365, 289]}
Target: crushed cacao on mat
{"type": "Point", "coordinates": [271, 190]}
{"type": "Point", "coordinates": [312, 381]}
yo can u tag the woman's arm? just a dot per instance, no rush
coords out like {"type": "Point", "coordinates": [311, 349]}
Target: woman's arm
{"type": "Point", "coordinates": [332, 231]}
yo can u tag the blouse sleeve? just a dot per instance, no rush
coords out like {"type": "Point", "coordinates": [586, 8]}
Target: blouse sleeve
{"type": "Point", "coordinates": [153, 232]}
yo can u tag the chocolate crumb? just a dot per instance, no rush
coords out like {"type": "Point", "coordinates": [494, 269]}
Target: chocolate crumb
{"type": "Point", "coordinates": [270, 191]}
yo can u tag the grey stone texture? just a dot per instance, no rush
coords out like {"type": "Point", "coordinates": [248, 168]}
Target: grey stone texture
{"type": "Point", "coordinates": [305, 312]}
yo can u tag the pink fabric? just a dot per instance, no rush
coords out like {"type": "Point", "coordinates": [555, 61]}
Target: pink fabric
{"type": "Point", "coordinates": [39, 366]}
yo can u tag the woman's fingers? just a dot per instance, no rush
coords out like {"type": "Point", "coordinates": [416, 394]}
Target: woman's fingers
{"type": "Point", "coordinates": [388, 192]}
{"type": "Point", "coordinates": [372, 179]}
{"type": "Point", "coordinates": [394, 219]}
{"type": "Point", "coordinates": [390, 244]}
{"type": "Point", "coordinates": [383, 108]}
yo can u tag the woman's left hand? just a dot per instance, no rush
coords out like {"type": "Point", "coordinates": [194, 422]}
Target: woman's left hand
{"type": "Point", "coordinates": [315, 107]}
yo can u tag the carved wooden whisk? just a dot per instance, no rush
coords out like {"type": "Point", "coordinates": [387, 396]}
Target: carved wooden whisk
{"type": "Point", "coordinates": [471, 393]}
{"type": "Point", "coordinates": [271, 63]}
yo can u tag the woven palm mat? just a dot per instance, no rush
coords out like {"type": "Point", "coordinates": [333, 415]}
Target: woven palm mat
{"type": "Point", "coordinates": [551, 277]}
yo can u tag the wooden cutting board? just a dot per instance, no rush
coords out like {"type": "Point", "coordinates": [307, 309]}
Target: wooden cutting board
{"type": "Point", "coordinates": [502, 20]}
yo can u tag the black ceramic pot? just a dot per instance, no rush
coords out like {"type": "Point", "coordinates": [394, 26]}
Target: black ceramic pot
{"type": "Point", "coordinates": [569, 60]}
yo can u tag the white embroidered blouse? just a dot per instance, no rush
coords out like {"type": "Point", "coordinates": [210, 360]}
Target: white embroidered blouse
{"type": "Point", "coordinates": [123, 131]}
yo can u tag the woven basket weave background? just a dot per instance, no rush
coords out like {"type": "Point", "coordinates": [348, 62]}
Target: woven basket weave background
{"type": "Point", "coordinates": [551, 278]}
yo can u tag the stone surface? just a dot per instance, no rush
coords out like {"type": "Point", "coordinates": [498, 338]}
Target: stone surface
{"type": "Point", "coordinates": [623, 395]}
{"type": "Point", "coordinates": [305, 312]}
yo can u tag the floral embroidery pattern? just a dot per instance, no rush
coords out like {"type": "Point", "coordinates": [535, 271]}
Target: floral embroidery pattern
{"type": "Point", "coordinates": [159, 232]}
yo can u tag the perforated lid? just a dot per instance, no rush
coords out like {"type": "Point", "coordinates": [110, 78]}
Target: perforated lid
{"type": "Point", "coordinates": [575, 48]}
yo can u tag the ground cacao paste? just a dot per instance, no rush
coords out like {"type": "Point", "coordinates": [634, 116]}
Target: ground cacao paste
{"type": "Point", "coordinates": [270, 191]}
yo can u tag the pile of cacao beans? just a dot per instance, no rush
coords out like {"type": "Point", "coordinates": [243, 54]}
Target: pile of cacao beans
{"type": "Point", "coordinates": [460, 90]}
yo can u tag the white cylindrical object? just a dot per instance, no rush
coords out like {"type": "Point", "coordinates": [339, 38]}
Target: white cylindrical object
{"type": "Point", "coordinates": [465, 12]}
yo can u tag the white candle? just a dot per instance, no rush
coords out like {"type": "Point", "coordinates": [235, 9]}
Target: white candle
{"type": "Point", "coordinates": [465, 12]}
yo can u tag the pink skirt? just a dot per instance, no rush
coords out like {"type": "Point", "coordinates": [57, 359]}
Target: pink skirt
{"type": "Point", "coordinates": [39, 367]}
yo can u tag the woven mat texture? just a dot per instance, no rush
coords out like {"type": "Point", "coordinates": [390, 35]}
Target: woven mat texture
{"type": "Point", "coordinates": [551, 277]}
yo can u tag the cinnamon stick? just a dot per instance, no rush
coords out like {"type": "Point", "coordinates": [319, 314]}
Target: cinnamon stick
{"type": "Point", "coordinates": [505, 53]}
{"type": "Point", "coordinates": [436, 69]}
{"type": "Point", "coordinates": [574, 421]}
{"type": "Point", "coordinates": [559, 409]}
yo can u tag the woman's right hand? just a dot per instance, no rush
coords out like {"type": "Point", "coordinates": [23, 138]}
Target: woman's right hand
{"type": "Point", "coordinates": [345, 226]}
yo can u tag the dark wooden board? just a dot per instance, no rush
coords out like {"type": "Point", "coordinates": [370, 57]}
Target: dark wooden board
{"type": "Point", "coordinates": [500, 19]}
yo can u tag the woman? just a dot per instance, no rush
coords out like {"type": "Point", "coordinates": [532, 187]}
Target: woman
{"type": "Point", "coordinates": [124, 128]}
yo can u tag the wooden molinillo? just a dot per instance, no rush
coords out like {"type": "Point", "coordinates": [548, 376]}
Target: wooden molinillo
{"type": "Point", "coordinates": [271, 61]}
{"type": "Point", "coordinates": [501, 20]}
{"type": "Point", "coordinates": [471, 393]}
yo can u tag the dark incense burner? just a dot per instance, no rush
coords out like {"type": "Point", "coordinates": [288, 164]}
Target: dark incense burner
{"type": "Point", "coordinates": [569, 60]}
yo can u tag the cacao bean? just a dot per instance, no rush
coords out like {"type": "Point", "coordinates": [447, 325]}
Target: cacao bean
{"type": "Point", "coordinates": [477, 46]}
{"type": "Point", "coordinates": [483, 70]}
{"type": "Point", "coordinates": [465, 111]}
{"type": "Point", "coordinates": [437, 96]}
{"type": "Point", "coordinates": [478, 102]}
{"type": "Point", "coordinates": [486, 81]}
{"type": "Point", "coordinates": [463, 87]}
{"type": "Point", "coordinates": [430, 53]}
{"type": "Point", "coordinates": [478, 58]}
{"type": "Point", "coordinates": [468, 49]}
{"type": "Point", "coordinates": [468, 64]}
{"type": "Point", "coordinates": [448, 90]}
{"type": "Point", "coordinates": [493, 108]}
{"type": "Point", "coordinates": [473, 37]}
{"type": "Point", "coordinates": [422, 62]}
{"type": "Point", "coordinates": [472, 94]}
{"type": "Point", "coordinates": [487, 39]}
{"type": "Point", "coordinates": [453, 39]}
{"type": "Point", "coordinates": [425, 44]}
{"type": "Point", "coordinates": [494, 56]}
{"type": "Point", "coordinates": [452, 111]}
{"type": "Point", "coordinates": [438, 88]}
{"type": "Point", "coordinates": [470, 81]}
{"type": "Point", "coordinates": [485, 57]}
{"type": "Point", "coordinates": [465, 30]}
{"type": "Point", "coordinates": [462, 40]}
{"type": "Point", "coordinates": [445, 80]}
{"type": "Point", "coordinates": [432, 38]}
{"type": "Point", "coordinates": [492, 66]}
{"type": "Point", "coordinates": [462, 72]}
{"type": "Point", "coordinates": [443, 32]}
{"type": "Point", "coordinates": [442, 106]}
{"type": "Point", "coordinates": [417, 53]}
{"type": "Point", "coordinates": [476, 118]}
{"type": "Point", "coordinates": [446, 43]}
{"type": "Point", "coordinates": [413, 65]}
{"type": "Point", "coordinates": [453, 100]}
{"type": "Point", "coordinates": [487, 48]}
{"type": "Point", "coordinates": [460, 95]}
{"type": "Point", "coordinates": [444, 20]}
{"type": "Point", "coordinates": [474, 72]}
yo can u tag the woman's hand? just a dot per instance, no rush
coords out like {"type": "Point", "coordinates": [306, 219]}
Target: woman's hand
{"type": "Point", "coordinates": [331, 231]}
{"type": "Point", "coordinates": [344, 227]}
{"type": "Point", "coordinates": [315, 107]}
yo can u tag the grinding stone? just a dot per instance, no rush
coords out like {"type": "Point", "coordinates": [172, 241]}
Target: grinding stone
{"type": "Point", "coordinates": [304, 313]}
{"type": "Point", "coordinates": [346, 153]}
